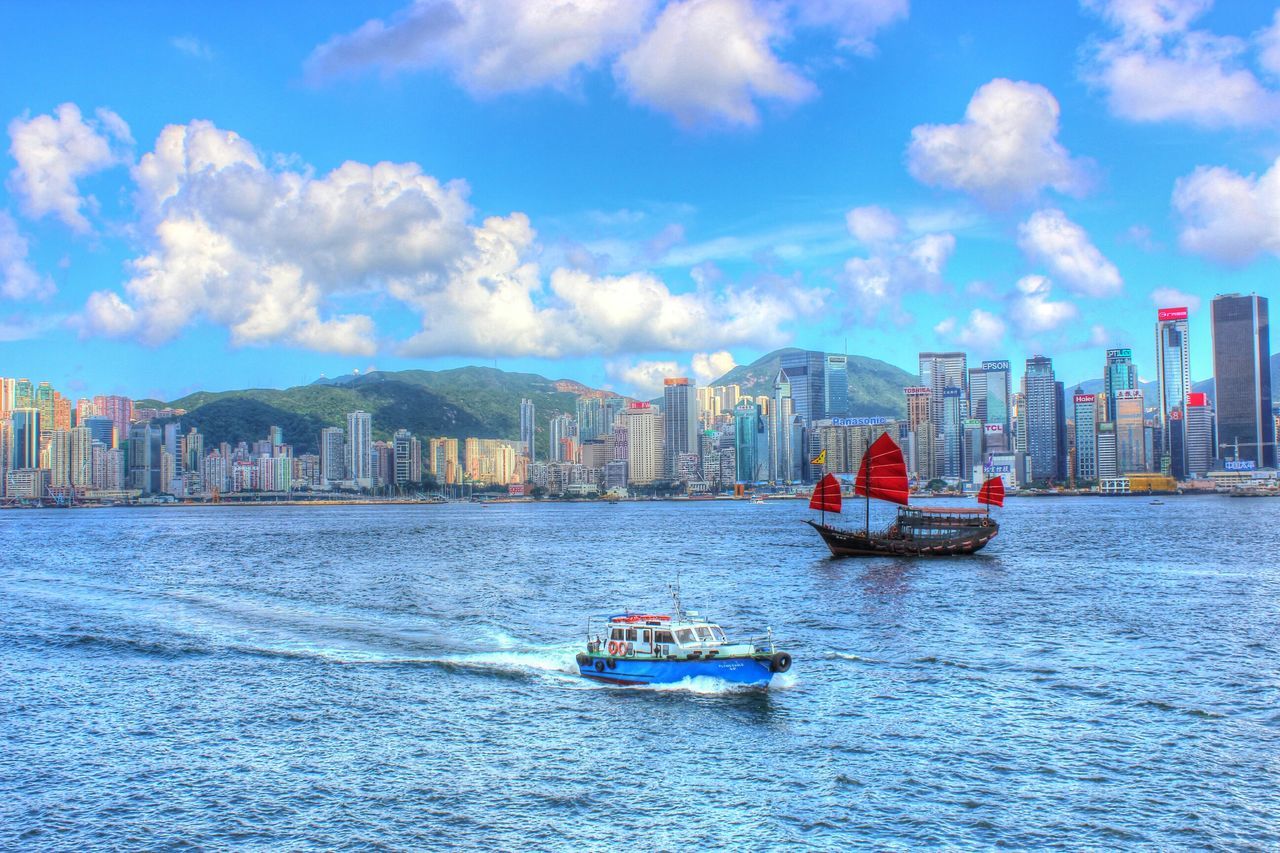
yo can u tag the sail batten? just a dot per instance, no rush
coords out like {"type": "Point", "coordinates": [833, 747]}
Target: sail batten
{"type": "Point", "coordinates": [883, 472]}
{"type": "Point", "coordinates": [826, 495]}
{"type": "Point", "coordinates": [992, 492]}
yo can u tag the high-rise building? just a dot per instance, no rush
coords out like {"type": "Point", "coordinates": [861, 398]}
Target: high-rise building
{"type": "Point", "coordinates": [360, 448]}
{"type": "Point", "coordinates": [1242, 379]}
{"type": "Point", "coordinates": [333, 454]}
{"type": "Point", "coordinates": [590, 416]}
{"type": "Point", "coordinates": [921, 430]}
{"type": "Point", "coordinates": [1197, 432]}
{"type": "Point", "coordinates": [119, 409]}
{"type": "Point", "coordinates": [746, 433]}
{"type": "Point", "coordinates": [1173, 371]}
{"type": "Point", "coordinates": [442, 460]}
{"type": "Point", "coordinates": [142, 455]}
{"type": "Point", "coordinates": [59, 458]}
{"type": "Point", "coordinates": [561, 437]}
{"type": "Point", "coordinates": [1085, 410]}
{"type": "Point", "coordinates": [640, 422]}
{"type": "Point", "coordinates": [102, 429]}
{"type": "Point", "coordinates": [1118, 374]}
{"type": "Point", "coordinates": [1130, 432]}
{"type": "Point", "coordinates": [938, 371]}
{"type": "Point", "coordinates": [1107, 467]}
{"type": "Point", "coordinates": [527, 429]}
{"type": "Point", "coordinates": [782, 456]}
{"type": "Point", "coordinates": [402, 442]}
{"type": "Point", "coordinates": [1039, 416]}
{"type": "Point", "coordinates": [24, 438]}
{"type": "Point", "coordinates": [835, 386]}
{"type": "Point", "coordinates": [806, 371]}
{"type": "Point", "coordinates": [80, 464]}
{"type": "Point", "coordinates": [679, 423]}
{"type": "Point", "coordinates": [7, 402]}
{"type": "Point", "coordinates": [992, 400]}
{"type": "Point", "coordinates": [954, 414]}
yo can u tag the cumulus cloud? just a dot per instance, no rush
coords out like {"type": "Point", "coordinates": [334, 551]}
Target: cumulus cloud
{"type": "Point", "coordinates": [710, 366]}
{"type": "Point", "coordinates": [1006, 150]}
{"type": "Point", "coordinates": [982, 330]}
{"type": "Point", "coordinates": [1050, 238]}
{"type": "Point", "coordinates": [489, 46]}
{"type": "Point", "coordinates": [191, 46]}
{"type": "Point", "coordinates": [18, 279]}
{"type": "Point", "coordinates": [710, 61]}
{"type": "Point", "coordinates": [1171, 297]}
{"type": "Point", "coordinates": [1031, 309]}
{"type": "Point", "coordinates": [55, 151]}
{"type": "Point", "coordinates": [874, 285]}
{"type": "Point", "coordinates": [642, 378]}
{"type": "Point", "coordinates": [1229, 217]}
{"type": "Point", "coordinates": [1157, 68]}
{"type": "Point", "coordinates": [856, 21]}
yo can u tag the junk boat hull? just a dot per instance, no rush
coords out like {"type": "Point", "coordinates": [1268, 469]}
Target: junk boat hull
{"type": "Point", "coordinates": [907, 541]}
{"type": "Point", "coordinates": [747, 671]}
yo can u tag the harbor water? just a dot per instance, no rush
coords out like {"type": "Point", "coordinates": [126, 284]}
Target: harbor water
{"type": "Point", "coordinates": [1106, 673]}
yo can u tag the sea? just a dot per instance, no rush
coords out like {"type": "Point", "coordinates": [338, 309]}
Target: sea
{"type": "Point", "coordinates": [1105, 674]}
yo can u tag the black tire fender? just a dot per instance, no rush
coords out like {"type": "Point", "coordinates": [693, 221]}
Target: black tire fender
{"type": "Point", "coordinates": [613, 664]}
{"type": "Point", "coordinates": [599, 666]}
{"type": "Point", "coordinates": [780, 662]}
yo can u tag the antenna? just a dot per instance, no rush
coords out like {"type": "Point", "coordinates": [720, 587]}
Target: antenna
{"type": "Point", "coordinates": [675, 597]}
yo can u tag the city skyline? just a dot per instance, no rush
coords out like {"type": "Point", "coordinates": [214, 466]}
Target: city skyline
{"type": "Point", "coordinates": [125, 254]}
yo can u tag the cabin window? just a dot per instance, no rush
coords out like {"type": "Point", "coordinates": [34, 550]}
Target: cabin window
{"type": "Point", "coordinates": [646, 636]}
{"type": "Point", "coordinates": [617, 634]}
{"type": "Point", "coordinates": [718, 633]}
{"type": "Point", "coordinates": [665, 637]}
{"type": "Point", "coordinates": [685, 636]}
{"type": "Point", "coordinates": [631, 635]}
{"type": "Point", "coordinates": [704, 634]}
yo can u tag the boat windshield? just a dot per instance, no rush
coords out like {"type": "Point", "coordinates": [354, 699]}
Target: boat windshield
{"type": "Point", "coordinates": [685, 636]}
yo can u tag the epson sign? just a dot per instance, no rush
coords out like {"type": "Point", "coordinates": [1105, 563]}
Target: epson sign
{"type": "Point", "coordinates": [995, 365]}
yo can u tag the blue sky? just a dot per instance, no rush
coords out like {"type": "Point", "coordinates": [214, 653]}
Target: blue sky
{"type": "Point", "coordinates": [613, 190]}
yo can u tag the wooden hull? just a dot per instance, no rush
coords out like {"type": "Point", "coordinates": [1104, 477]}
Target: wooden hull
{"type": "Point", "coordinates": [850, 543]}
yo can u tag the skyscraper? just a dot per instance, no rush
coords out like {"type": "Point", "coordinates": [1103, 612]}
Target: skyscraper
{"type": "Point", "coordinates": [1173, 371]}
{"type": "Point", "coordinates": [359, 446]}
{"type": "Point", "coordinates": [1038, 419]}
{"type": "Point", "coordinates": [1242, 378]}
{"type": "Point", "coordinates": [142, 454]}
{"type": "Point", "coordinates": [953, 418]}
{"type": "Point", "coordinates": [679, 423]}
{"type": "Point", "coordinates": [527, 429]}
{"type": "Point", "coordinates": [402, 443]}
{"type": "Point", "coordinates": [119, 409]}
{"type": "Point", "coordinates": [1130, 438]}
{"type": "Point", "coordinates": [24, 438]}
{"type": "Point", "coordinates": [333, 455]}
{"type": "Point", "coordinates": [938, 371]}
{"type": "Point", "coordinates": [640, 422]}
{"type": "Point", "coordinates": [993, 398]}
{"type": "Point", "coordinates": [1119, 374]}
{"type": "Point", "coordinates": [835, 386]}
{"type": "Point", "coordinates": [1086, 432]}
{"type": "Point", "coordinates": [746, 428]}
{"type": "Point", "coordinates": [1197, 432]}
{"type": "Point", "coordinates": [921, 431]}
{"type": "Point", "coordinates": [80, 466]}
{"type": "Point", "coordinates": [806, 370]}
{"type": "Point", "coordinates": [561, 433]}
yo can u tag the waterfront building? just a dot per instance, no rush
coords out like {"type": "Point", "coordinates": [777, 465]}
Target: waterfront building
{"type": "Point", "coordinates": [994, 397]}
{"type": "Point", "coordinates": [1106, 449]}
{"type": "Point", "coordinates": [528, 428]}
{"type": "Point", "coordinates": [939, 371]}
{"type": "Point", "coordinates": [24, 438]}
{"type": "Point", "coordinates": [1118, 374]}
{"type": "Point", "coordinates": [1130, 438]}
{"type": "Point", "coordinates": [142, 454]}
{"type": "Point", "coordinates": [333, 454]}
{"type": "Point", "coordinates": [80, 463]}
{"type": "Point", "coordinates": [119, 410]}
{"type": "Point", "coordinates": [920, 459]}
{"type": "Point", "coordinates": [402, 443]}
{"type": "Point", "coordinates": [442, 461]}
{"type": "Point", "coordinates": [1242, 377]}
{"type": "Point", "coordinates": [781, 412]}
{"type": "Point", "coordinates": [561, 430]}
{"type": "Point", "coordinates": [640, 422]}
{"type": "Point", "coordinates": [835, 386]}
{"type": "Point", "coordinates": [615, 475]}
{"type": "Point", "coordinates": [192, 450]}
{"type": "Point", "coordinates": [954, 414]}
{"type": "Point", "coordinates": [1198, 435]}
{"type": "Point", "coordinates": [359, 449]}
{"type": "Point", "coordinates": [590, 418]}
{"type": "Point", "coordinates": [613, 407]}
{"type": "Point", "coordinates": [746, 431]}
{"type": "Point", "coordinates": [1085, 409]}
{"type": "Point", "coordinates": [108, 467]}
{"type": "Point", "coordinates": [972, 451]}
{"type": "Point", "coordinates": [845, 443]}
{"type": "Point", "coordinates": [679, 423]}
{"type": "Point", "coordinates": [59, 458]}
{"type": "Point", "coordinates": [1173, 371]}
{"type": "Point", "coordinates": [1038, 419]}
{"type": "Point", "coordinates": [806, 371]}
{"type": "Point", "coordinates": [29, 483]}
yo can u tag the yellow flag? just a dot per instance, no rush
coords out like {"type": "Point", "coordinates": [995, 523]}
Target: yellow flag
{"type": "Point", "coordinates": [820, 459]}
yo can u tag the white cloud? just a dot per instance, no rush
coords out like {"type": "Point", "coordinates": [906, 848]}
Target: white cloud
{"type": "Point", "coordinates": [1268, 42]}
{"type": "Point", "coordinates": [191, 46]}
{"type": "Point", "coordinates": [1158, 69]}
{"type": "Point", "coordinates": [1052, 239]}
{"type": "Point", "coordinates": [710, 366]}
{"type": "Point", "coordinates": [1227, 216]}
{"type": "Point", "coordinates": [1171, 297]}
{"type": "Point", "coordinates": [710, 61]}
{"type": "Point", "coordinates": [872, 225]}
{"type": "Point", "coordinates": [18, 279]}
{"type": "Point", "coordinates": [875, 285]}
{"type": "Point", "coordinates": [856, 21]}
{"type": "Point", "coordinates": [1033, 312]}
{"type": "Point", "coordinates": [983, 330]}
{"type": "Point", "coordinates": [54, 152]}
{"type": "Point", "coordinates": [489, 46]}
{"type": "Point", "coordinates": [1006, 149]}
{"type": "Point", "coordinates": [643, 378]}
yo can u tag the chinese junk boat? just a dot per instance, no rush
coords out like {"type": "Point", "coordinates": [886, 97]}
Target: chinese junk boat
{"type": "Point", "coordinates": [917, 531]}
{"type": "Point", "coordinates": [647, 648]}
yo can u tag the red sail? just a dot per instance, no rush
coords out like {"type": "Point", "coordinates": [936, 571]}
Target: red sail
{"type": "Point", "coordinates": [883, 473]}
{"type": "Point", "coordinates": [992, 492]}
{"type": "Point", "coordinates": [826, 495]}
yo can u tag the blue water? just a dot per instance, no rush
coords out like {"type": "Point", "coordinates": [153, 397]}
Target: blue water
{"type": "Point", "coordinates": [1106, 673]}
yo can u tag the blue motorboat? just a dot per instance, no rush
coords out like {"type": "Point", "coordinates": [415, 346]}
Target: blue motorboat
{"type": "Point", "coordinates": [651, 648]}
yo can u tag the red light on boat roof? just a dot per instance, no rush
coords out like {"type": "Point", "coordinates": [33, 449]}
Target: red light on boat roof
{"type": "Point", "coordinates": [632, 618]}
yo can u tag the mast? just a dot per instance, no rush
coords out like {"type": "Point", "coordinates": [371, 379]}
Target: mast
{"type": "Point", "coordinates": [867, 489]}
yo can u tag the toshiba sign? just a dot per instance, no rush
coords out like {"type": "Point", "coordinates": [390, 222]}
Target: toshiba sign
{"type": "Point", "coordinates": [1171, 314]}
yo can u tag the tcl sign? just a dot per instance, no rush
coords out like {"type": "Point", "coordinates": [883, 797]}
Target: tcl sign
{"type": "Point", "coordinates": [1171, 314]}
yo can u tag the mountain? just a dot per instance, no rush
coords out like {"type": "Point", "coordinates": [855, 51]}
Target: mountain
{"type": "Point", "coordinates": [470, 401]}
{"type": "Point", "coordinates": [1151, 390]}
{"type": "Point", "coordinates": [875, 387]}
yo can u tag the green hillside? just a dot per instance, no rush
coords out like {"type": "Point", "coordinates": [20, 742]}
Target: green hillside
{"type": "Point", "coordinates": [875, 387]}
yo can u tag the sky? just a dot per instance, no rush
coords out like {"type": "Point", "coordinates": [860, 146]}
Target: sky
{"type": "Point", "coordinates": [255, 195]}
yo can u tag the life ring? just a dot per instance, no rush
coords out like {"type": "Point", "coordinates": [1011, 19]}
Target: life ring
{"type": "Point", "coordinates": [613, 647]}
